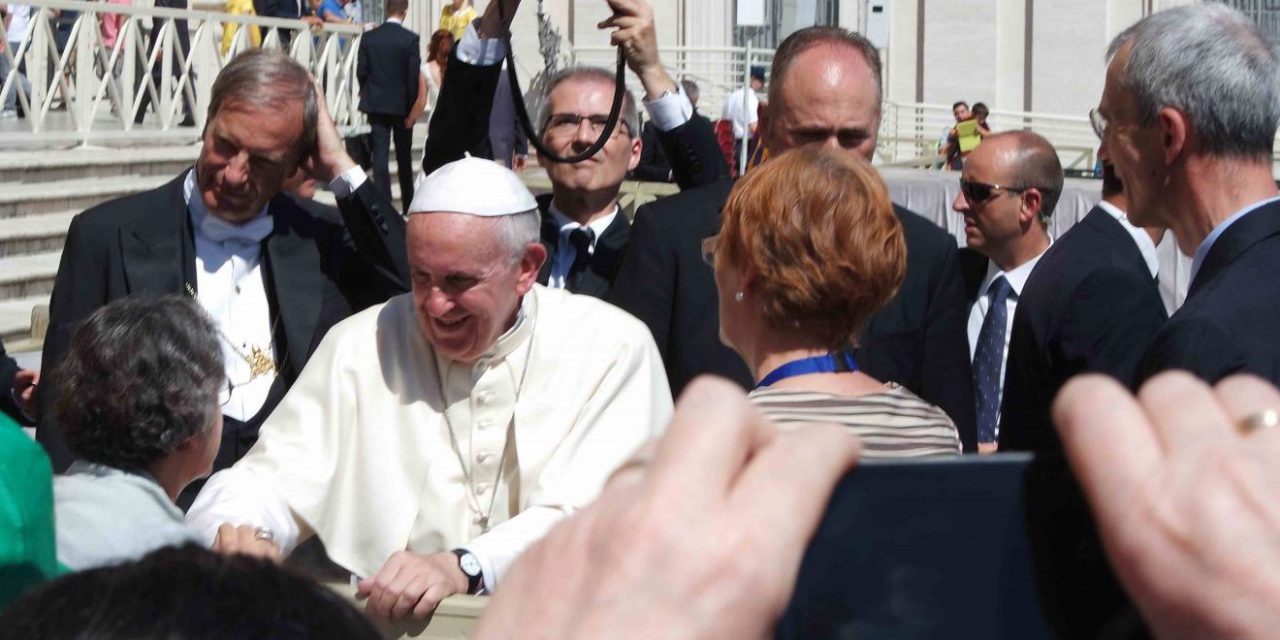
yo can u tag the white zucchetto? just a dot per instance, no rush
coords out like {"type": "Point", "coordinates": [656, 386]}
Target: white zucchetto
{"type": "Point", "coordinates": [473, 186]}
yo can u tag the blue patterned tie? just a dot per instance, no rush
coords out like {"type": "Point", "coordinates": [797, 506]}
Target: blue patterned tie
{"type": "Point", "coordinates": [988, 357]}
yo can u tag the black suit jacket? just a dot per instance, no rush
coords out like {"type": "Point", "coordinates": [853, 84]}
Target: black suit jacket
{"type": "Point", "coordinates": [1090, 305]}
{"type": "Point", "coordinates": [463, 111]}
{"type": "Point", "coordinates": [918, 339]}
{"type": "Point", "coordinates": [602, 268]}
{"type": "Point", "coordinates": [388, 67]}
{"type": "Point", "coordinates": [317, 272]}
{"type": "Point", "coordinates": [696, 157]}
{"type": "Point", "coordinates": [1231, 317]}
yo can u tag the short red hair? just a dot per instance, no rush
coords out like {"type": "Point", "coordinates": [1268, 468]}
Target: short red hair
{"type": "Point", "coordinates": [817, 229]}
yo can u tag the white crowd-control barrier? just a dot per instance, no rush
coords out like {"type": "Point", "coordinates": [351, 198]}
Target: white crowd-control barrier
{"type": "Point", "coordinates": [73, 88]}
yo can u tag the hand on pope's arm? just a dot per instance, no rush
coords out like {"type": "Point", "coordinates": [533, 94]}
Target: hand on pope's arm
{"type": "Point", "coordinates": [673, 547]}
{"type": "Point", "coordinates": [412, 584]}
{"type": "Point", "coordinates": [1187, 502]}
{"type": "Point", "coordinates": [246, 540]}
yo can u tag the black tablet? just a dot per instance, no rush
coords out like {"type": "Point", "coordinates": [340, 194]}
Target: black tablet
{"type": "Point", "coordinates": [975, 547]}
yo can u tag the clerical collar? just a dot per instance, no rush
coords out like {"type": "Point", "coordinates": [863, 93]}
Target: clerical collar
{"type": "Point", "coordinates": [1146, 246]}
{"type": "Point", "coordinates": [215, 229]}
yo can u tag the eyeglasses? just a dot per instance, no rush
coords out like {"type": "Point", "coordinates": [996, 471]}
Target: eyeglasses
{"type": "Point", "coordinates": [225, 391]}
{"type": "Point", "coordinates": [567, 124]}
{"type": "Point", "coordinates": [977, 192]}
{"type": "Point", "coordinates": [1099, 123]}
{"type": "Point", "coordinates": [709, 246]}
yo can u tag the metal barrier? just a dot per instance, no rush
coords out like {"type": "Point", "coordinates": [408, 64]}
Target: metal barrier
{"type": "Point", "coordinates": [161, 66]}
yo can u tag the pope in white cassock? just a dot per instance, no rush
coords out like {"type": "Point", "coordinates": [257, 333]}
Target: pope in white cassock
{"type": "Point", "coordinates": [433, 438]}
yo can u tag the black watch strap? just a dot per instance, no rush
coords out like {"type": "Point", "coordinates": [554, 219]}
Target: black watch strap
{"type": "Point", "coordinates": [474, 582]}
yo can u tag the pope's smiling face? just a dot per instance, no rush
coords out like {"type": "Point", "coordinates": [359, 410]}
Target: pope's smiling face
{"type": "Point", "coordinates": [467, 281]}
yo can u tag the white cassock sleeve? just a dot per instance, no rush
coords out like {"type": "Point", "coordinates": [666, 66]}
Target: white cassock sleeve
{"type": "Point", "coordinates": [238, 497]}
{"type": "Point", "coordinates": [628, 407]}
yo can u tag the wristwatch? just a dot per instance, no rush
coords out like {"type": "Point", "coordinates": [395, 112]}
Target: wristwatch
{"type": "Point", "coordinates": [470, 566]}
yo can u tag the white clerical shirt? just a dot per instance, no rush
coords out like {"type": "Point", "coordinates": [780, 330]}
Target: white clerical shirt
{"type": "Point", "coordinates": [360, 453]}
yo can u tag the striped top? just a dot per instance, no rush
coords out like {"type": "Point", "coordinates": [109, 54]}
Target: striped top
{"type": "Point", "coordinates": [892, 424]}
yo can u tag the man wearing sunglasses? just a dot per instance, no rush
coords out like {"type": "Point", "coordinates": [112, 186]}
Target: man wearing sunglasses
{"type": "Point", "coordinates": [1008, 190]}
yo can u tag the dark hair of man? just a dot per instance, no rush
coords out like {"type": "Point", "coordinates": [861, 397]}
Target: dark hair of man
{"type": "Point", "coordinates": [961, 103]}
{"type": "Point", "coordinates": [397, 7]}
{"type": "Point", "coordinates": [809, 37]}
{"type": "Point", "coordinates": [1035, 164]}
{"type": "Point", "coordinates": [629, 116]}
{"type": "Point", "coordinates": [185, 593]}
{"type": "Point", "coordinates": [268, 80]}
{"type": "Point", "coordinates": [1111, 185]}
{"type": "Point", "coordinates": [140, 377]}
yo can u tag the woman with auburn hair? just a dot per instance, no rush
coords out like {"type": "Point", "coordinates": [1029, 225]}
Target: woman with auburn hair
{"type": "Point", "coordinates": [808, 251]}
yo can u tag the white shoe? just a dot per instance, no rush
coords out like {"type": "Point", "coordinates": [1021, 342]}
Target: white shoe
{"type": "Point", "coordinates": [8, 113]}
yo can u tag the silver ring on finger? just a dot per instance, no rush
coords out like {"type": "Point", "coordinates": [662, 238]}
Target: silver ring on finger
{"type": "Point", "coordinates": [263, 533]}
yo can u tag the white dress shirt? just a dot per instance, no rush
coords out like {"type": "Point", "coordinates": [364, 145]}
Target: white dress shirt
{"type": "Point", "coordinates": [230, 288]}
{"type": "Point", "coordinates": [733, 111]}
{"type": "Point", "coordinates": [1140, 237]}
{"type": "Point", "coordinates": [566, 253]}
{"type": "Point", "coordinates": [1017, 279]}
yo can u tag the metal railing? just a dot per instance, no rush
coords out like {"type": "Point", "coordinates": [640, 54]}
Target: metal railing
{"type": "Point", "coordinates": [161, 67]}
{"type": "Point", "coordinates": [717, 70]}
{"type": "Point", "coordinates": [910, 134]}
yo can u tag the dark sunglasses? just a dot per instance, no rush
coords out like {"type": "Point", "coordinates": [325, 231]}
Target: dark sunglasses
{"type": "Point", "coordinates": [976, 192]}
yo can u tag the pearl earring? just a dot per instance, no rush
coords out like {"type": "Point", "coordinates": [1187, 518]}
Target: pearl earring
{"type": "Point", "coordinates": [737, 297]}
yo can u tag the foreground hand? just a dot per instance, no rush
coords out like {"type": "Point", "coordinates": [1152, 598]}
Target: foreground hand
{"type": "Point", "coordinates": [246, 540]}
{"type": "Point", "coordinates": [329, 159]}
{"type": "Point", "coordinates": [1187, 505]}
{"type": "Point", "coordinates": [409, 583]}
{"type": "Point", "coordinates": [705, 541]}
{"type": "Point", "coordinates": [25, 383]}
{"type": "Point", "coordinates": [632, 22]}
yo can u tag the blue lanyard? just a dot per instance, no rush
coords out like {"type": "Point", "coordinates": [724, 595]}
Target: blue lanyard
{"type": "Point", "coordinates": [827, 363]}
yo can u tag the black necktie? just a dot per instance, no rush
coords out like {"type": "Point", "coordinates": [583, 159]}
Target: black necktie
{"type": "Point", "coordinates": [581, 239]}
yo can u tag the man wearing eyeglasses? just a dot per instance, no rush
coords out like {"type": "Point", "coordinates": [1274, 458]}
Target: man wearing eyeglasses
{"type": "Point", "coordinates": [1008, 190]}
{"type": "Point", "coordinates": [1191, 137]}
{"type": "Point", "coordinates": [583, 228]}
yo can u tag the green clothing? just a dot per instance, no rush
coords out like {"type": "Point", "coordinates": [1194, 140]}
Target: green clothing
{"type": "Point", "coordinates": [27, 551]}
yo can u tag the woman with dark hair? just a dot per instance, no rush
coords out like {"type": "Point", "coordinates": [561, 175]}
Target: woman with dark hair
{"type": "Point", "coordinates": [809, 249]}
{"type": "Point", "coordinates": [140, 410]}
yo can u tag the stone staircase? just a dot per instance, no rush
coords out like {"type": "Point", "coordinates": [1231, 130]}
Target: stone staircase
{"type": "Point", "coordinates": [40, 192]}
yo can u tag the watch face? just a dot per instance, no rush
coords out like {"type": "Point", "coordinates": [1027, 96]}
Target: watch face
{"type": "Point", "coordinates": [469, 564]}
